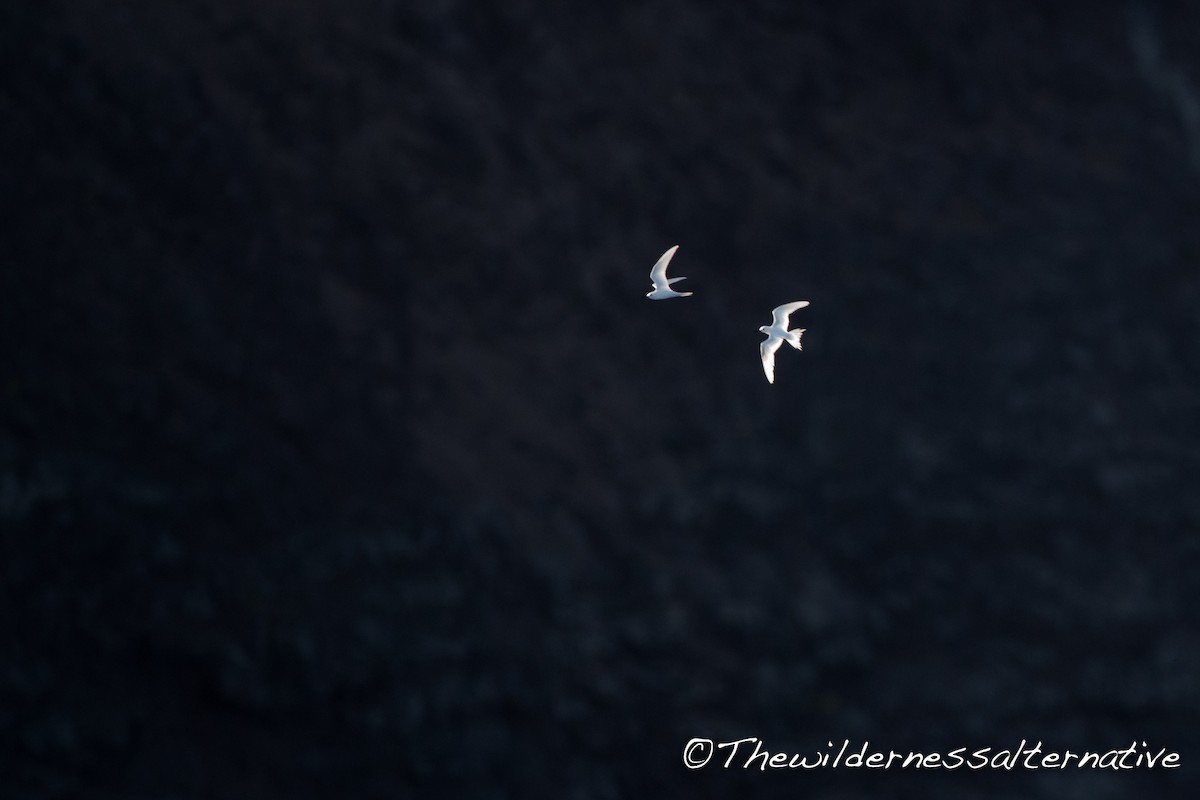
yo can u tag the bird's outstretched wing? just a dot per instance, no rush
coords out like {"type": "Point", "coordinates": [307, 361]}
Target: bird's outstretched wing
{"type": "Point", "coordinates": [658, 273]}
{"type": "Point", "coordinates": [779, 317]}
{"type": "Point", "coordinates": [766, 350]}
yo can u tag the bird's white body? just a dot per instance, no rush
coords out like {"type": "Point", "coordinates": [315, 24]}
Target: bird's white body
{"type": "Point", "coordinates": [662, 284]}
{"type": "Point", "coordinates": [777, 333]}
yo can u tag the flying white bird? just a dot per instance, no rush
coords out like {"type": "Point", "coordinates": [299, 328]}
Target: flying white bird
{"type": "Point", "coordinates": [662, 285]}
{"type": "Point", "coordinates": [777, 333]}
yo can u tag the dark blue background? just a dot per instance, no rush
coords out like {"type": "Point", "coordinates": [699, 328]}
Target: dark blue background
{"type": "Point", "coordinates": [341, 454]}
